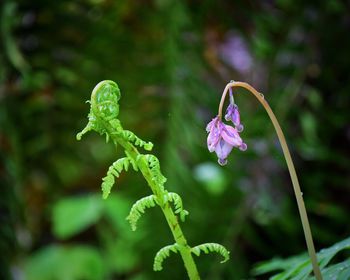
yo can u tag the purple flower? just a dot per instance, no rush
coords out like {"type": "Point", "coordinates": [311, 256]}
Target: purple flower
{"type": "Point", "coordinates": [232, 114]}
{"type": "Point", "coordinates": [222, 138]}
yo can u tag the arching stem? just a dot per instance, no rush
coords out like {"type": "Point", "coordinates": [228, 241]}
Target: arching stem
{"type": "Point", "coordinates": [293, 175]}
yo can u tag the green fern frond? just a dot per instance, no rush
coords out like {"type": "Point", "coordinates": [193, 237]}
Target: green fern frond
{"type": "Point", "coordinates": [163, 254]}
{"type": "Point", "coordinates": [103, 118]}
{"type": "Point", "coordinates": [176, 199]}
{"type": "Point", "coordinates": [130, 136]}
{"type": "Point", "coordinates": [113, 171]}
{"type": "Point", "coordinates": [139, 208]}
{"type": "Point", "coordinates": [212, 247]}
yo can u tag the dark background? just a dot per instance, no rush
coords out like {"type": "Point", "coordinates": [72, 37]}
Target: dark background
{"type": "Point", "coordinates": [171, 59]}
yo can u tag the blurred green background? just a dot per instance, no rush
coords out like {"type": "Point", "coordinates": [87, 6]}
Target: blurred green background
{"type": "Point", "coordinates": [171, 60]}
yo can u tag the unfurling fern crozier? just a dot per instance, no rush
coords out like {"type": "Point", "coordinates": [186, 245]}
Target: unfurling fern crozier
{"type": "Point", "coordinates": [103, 118]}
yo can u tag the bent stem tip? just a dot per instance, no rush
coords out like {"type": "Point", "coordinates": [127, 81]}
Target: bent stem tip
{"type": "Point", "coordinates": [291, 168]}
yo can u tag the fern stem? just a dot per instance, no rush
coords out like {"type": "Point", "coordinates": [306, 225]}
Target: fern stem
{"type": "Point", "coordinates": [291, 168]}
{"type": "Point", "coordinates": [171, 218]}
{"type": "Point", "coordinates": [184, 248]}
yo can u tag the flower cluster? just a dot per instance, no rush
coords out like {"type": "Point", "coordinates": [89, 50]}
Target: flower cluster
{"type": "Point", "coordinates": [222, 137]}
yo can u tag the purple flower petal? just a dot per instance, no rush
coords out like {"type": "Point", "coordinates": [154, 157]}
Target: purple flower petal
{"type": "Point", "coordinates": [231, 136]}
{"type": "Point", "coordinates": [229, 112]}
{"type": "Point", "coordinates": [223, 149]}
{"type": "Point", "coordinates": [243, 147]}
{"type": "Point", "coordinates": [222, 162]}
{"type": "Point", "coordinates": [240, 127]}
{"type": "Point", "coordinates": [214, 128]}
{"type": "Point", "coordinates": [212, 142]}
{"type": "Point", "coordinates": [235, 117]}
{"type": "Point", "coordinates": [232, 114]}
{"type": "Point", "coordinates": [211, 124]}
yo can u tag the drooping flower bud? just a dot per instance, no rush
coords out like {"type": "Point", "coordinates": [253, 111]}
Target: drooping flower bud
{"type": "Point", "coordinates": [222, 138]}
{"type": "Point", "coordinates": [232, 114]}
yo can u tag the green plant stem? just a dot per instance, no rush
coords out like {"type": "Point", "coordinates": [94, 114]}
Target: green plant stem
{"type": "Point", "coordinates": [293, 175]}
{"type": "Point", "coordinates": [172, 220]}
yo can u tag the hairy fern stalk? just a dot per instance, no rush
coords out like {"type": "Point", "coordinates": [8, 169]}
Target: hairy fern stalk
{"type": "Point", "coordinates": [103, 118]}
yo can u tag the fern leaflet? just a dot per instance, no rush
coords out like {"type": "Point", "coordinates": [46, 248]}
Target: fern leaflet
{"type": "Point", "coordinates": [86, 129]}
{"type": "Point", "coordinates": [132, 161]}
{"type": "Point", "coordinates": [113, 171]}
{"type": "Point", "coordinates": [153, 164]}
{"type": "Point", "coordinates": [130, 136]}
{"type": "Point", "coordinates": [139, 208]}
{"type": "Point", "coordinates": [212, 247]}
{"type": "Point", "coordinates": [176, 199]}
{"type": "Point", "coordinates": [163, 254]}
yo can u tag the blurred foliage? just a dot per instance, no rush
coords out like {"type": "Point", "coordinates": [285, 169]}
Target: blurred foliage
{"type": "Point", "coordinates": [171, 60]}
{"type": "Point", "coordinates": [55, 262]}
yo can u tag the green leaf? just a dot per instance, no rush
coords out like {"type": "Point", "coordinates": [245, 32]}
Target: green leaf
{"type": "Point", "coordinates": [339, 271]}
{"type": "Point", "coordinates": [326, 255]}
{"type": "Point", "coordinates": [63, 262]}
{"type": "Point", "coordinates": [299, 267]}
{"type": "Point", "coordinates": [277, 264]}
{"type": "Point", "coordinates": [75, 214]}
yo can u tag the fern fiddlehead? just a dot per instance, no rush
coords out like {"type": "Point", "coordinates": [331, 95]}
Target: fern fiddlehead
{"type": "Point", "coordinates": [103, 118]}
